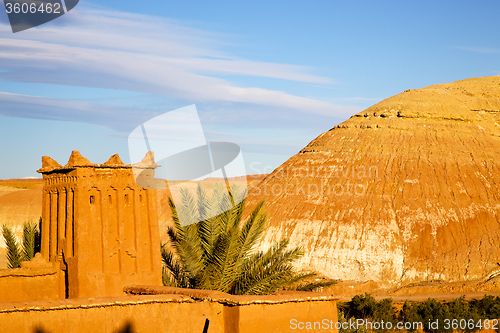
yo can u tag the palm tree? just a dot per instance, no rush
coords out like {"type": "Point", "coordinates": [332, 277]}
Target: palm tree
{"type": "Point", "coordinates": [218, 252]}
{"type": "Point", "coordinates": [30, 244]}
{"type": "Point", "coordinates": [13, 249]}
{"type": "Point", "coordinates": [31, 240]}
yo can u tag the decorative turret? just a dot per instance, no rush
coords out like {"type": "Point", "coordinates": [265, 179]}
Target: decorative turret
{"type": "Point", "coordinates": [147, 162]}
{"type": "Point", "coordinates": [114, 160]}
{"type": "Point", "coordinates": [76, 159]}
{"type": "Point", "coordinates": [99, 227]}
{"type": "Point", "coordinates": [49, 163]}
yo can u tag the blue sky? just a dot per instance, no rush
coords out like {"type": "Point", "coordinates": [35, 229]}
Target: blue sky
{"type": "Point", "coordinates": [269, 76]}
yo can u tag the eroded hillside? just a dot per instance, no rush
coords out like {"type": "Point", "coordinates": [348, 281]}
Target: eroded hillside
{"type": "Point", "coordinates": [407, 190]}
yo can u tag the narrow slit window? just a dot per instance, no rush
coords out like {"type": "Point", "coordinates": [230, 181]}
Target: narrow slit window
{"type": "Point", "coordinates": [92, 200]}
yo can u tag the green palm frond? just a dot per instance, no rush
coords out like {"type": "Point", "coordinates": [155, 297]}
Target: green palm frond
{"type": "Point", "coordinates": [270, 270]}
{"type": "Point", "coordinates": [217, 252]}
{"type": "Point", "coordinates": [188, 212]}
{"type": "Point", "coordinates": [172, 235]}
{"type": "Point", "coordinates": [222, 264]}
{"type": "Point", "coordinates": [167, 279]}
{"type": "Point", "coordinates": [208, 228]}
{"type": "Point", "coordinates": [13, 249]}
{"type": "Point", "coordinates": [31, 243]}
{"type": "Point", "coordinates": [203, 203]}
{"type": "Point", "coordinates": [238, 192]}
{"type": "Point", "coordinates": [189, 251]}
{"type": "Point", "coordinates": [215, 200]}
{"type": "Point", "coordinates": [29, 240]}
{"type": "Point", "coordinates": [252, 230]}
{"type": "Point", "coordinates": [173, 273]}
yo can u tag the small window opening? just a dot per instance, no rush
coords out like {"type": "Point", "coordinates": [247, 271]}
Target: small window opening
{"type": "Point", "coordinates": [92, 199]}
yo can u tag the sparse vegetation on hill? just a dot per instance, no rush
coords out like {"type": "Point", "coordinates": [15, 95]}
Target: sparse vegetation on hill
{"type": "Point", "coordinates": [455, 315]}
{"type": "Point", "coordinates": [218, 252]}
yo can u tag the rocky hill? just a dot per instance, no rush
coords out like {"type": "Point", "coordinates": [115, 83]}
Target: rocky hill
{"type": "Point", "coordinates": [407, 190]}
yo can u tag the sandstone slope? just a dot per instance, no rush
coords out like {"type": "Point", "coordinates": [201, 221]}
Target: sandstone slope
{"type": "Point", "coordinates": [407, 190]}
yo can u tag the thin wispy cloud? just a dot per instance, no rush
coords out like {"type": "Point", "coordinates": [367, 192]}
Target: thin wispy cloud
{"type": "Point", "coordinates": [26, 106]}
{"type": "Point", "coordinates": [103, 49]}
{"type": "Point", "coordinates": [477, 49]}
{"type": "Point", "coordinates": [367, 99]}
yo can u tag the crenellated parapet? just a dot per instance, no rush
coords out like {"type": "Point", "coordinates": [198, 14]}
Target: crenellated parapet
{"type": "Point", "coordinates": [99, 227]}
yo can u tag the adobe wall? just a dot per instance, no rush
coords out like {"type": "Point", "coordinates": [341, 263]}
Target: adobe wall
{"type": "Point", "coordinates": [23, 284]}
{"type": "Point", "coordinates": [167, 313]}
{"type": "Point", "coordinates": [35, 280]}
{"type": "Point", "coordinates": [278, 317]}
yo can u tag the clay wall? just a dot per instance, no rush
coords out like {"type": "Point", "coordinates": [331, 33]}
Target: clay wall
{"type": "Point", "coordinates": [285, 317]}
{"type": "Point", "coordinates": [165, 313]}
{"type": "Point", "coordinates": [22, 284]}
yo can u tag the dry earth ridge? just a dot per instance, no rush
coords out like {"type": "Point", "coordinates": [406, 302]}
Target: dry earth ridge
{"type": "Point", "coordinates": [405, 191]}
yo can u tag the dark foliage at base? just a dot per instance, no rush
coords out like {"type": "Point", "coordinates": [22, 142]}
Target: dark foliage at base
{"type": "Point", "coordinates": [436, 317]}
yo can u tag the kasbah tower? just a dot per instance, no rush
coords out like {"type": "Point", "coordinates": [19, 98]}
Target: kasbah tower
{"type": "Point", "coordinates": [99, 227]}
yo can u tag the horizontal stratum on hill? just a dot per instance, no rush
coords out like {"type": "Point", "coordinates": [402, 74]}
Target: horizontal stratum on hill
{"type": "Point", "coordinates": [404, 191]}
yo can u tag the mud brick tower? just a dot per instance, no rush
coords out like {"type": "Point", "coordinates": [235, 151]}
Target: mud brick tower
{"type": "Point", "coordinates": [98, 227]}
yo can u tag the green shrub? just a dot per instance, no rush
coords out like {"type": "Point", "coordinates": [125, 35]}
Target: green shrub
{"type": "Point", "coordinates": [456, 315]}
{"type": "Point", "coordinates": [487, 307]}
{"type": "Point", "coordinates": [342, 319]}
{"type": "Point", "coordinates": [366, 307]}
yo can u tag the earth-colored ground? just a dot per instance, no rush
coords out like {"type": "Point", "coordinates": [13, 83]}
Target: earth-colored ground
{"type": "Point", "coordinates": [21, 184]}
